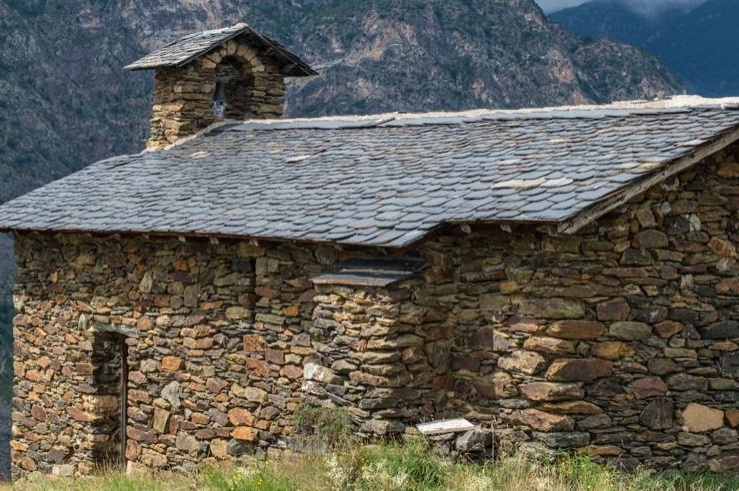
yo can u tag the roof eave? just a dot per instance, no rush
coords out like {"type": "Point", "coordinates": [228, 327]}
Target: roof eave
{"type": "Point", "coordinates": [624, 194]}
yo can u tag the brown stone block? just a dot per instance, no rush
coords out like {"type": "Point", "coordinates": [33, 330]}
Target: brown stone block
{"type": "Point", "coordinates": [572, 407]}
{"type": "Point", "coordinates": [728, 287]}
{"type": "Point", "coordinates": [576, 329]}
{"type": "Point", "coordinates": [443, 383]}
{"type": "Point", "coordinates": [487, 338]}
{"type": "Point", "coordinates": [240, 416]}
{"type": "Point", "coordinates": [139, 396]}
{"type": "Point", "coordinates": [552, 346]}
{"type": "Point", "coordinates": [732, 417]}
{"type": "Point", "coordinates": [616, 309]}
{"type": "Point", "coordinates": [237, 313]}
{"type": "Point", "coordinates": [543, 421]}
{"type": "Point", "coordinates": [612, 350]}
{"type": "Point", "coordinates": [522, 324]}
{"type": "Point", "coordinates": [79, 415]}
{"type": "Point", "coordinates": [667, 329]}
{"type": "Point", "coordinates": [257, 368]}
{"type": "Point", "coordinates": [244, 433]}
{"type": "Point", "coordinates": [292, 372]}
{"type": "Point", "coordinates": [579, 370]}
{"type": "Point", "coordinates": [26, 463]}
{"type": "Point", "coordinates": [253, 343]}
{"type": "Point", "coordinates": [34, 376]}
{"type": "Point", "coordinates": [698, 418]}
{"type": "Point", "coordinates": [526, 362]}
{"type": "Point", "coordinates": [38, 413]}
{"type": "Point", "coordinates": [133, 450]}
{"type": "Point", "coordinates": [726, 462]}
{"type": "Point", "coordinates": [722, 247]}
{"type": "Point", "coordinates": [171, 363]}
{"type": "Point", "coordinates": [18, 446]}
{"type": "Point", "coordinates": [594, 421]}
{"type": "Point", "coordinates": [548, 391]}
{"type": "Point", "coordinates": [205, 434]}
{"type": "Point", "coordinates": [211, 305]}
{"type": "Point", "coordinates": [219, 448]}
{"type": "Point", "coordinates": [604, 450]}
{"type": "Point", "coordinates": [648, 387]}
{"type": "Point", "coordinates": [465, 363]}
{"type": "Point", "coordinates": [140, 435]}
{"type": "Point", "coordinates": [275, 356]}
{"type": "Point", "coordinates": [291, 311]}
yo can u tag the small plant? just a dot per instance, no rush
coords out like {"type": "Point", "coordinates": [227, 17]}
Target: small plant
{"type": "Point", "coordinates": [256, 477]}
{"type": "Point", "coordinates": [329, 425]}
{"type": "Point", "coordinates": [414, 465]}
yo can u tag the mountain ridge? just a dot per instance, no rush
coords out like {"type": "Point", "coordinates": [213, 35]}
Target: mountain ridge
{"type": "Point", "coordinates": [691, 42]}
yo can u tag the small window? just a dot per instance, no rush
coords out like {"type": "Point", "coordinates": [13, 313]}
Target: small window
{"type": "Point", "coordinates": [219, 101]}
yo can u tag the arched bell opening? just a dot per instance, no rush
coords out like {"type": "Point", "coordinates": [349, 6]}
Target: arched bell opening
{"type": "Point", "coordinates": [233, 89]}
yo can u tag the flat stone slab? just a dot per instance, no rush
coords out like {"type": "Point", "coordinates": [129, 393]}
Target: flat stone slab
{"type": "Point", "coordinates": [445, 426]}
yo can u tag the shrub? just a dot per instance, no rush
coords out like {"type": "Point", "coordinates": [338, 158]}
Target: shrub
{"type": "Point", "coordinates": [329, 425]}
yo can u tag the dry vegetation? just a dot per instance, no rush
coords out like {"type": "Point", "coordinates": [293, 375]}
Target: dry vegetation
{"type": "Point", "coordinates": [413, 466]}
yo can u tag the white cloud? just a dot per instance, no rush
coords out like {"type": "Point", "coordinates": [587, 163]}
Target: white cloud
{"type": "Point", "coordinates": [644, 7]}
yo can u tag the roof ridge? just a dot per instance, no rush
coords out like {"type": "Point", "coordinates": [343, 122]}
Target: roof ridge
{"type": "Point", "coordinates": [398, 119]}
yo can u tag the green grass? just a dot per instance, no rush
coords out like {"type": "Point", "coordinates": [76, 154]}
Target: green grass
{"type": "Point", "coordinates": [414, 466]}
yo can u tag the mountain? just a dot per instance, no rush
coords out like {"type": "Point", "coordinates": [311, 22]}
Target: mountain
{"type": "Point", "coordinates": [697, 44]}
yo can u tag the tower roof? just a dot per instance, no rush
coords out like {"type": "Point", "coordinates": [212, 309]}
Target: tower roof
{"type": "Point", "coordinates": [181, 52]}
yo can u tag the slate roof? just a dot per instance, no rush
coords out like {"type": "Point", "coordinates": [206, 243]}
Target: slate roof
{"type": "Point", "coordinates": [373, 182]}
{"type": "Point", "coordinates": [186, 49]}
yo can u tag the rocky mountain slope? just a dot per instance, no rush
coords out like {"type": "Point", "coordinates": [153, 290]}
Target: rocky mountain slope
{"type": "Point", "coordinates": [697, 44]}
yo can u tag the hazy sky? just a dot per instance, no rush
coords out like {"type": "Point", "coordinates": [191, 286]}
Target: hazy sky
{"type": "Point", "coordinates": [639, 5]}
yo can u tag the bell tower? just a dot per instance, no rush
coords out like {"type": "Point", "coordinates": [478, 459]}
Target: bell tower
{"type": "Point", "coordinates": [230, 73]}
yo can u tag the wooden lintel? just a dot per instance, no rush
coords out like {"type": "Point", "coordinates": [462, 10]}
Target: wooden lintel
{"type": "Point", "coordinates": [623, 195]}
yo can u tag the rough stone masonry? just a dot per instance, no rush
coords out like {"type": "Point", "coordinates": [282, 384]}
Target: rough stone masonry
{"type": "Point", "coordinates": [620, 340]}
{"type": "Point", "coordinates": [183, 97]}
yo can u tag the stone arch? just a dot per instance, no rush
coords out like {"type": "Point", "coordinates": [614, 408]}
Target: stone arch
{"type": "Point", "coordinates": [234, 88]}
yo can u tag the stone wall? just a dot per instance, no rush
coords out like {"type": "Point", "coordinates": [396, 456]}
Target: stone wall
{"type": "Point", "coordinates": [217, 338]}
{"type": "Point", "coordinates": [378, 355]}
{"type": "Point", "coordinates": [183, 97]}
{"type": "Point", "coordinates": [621, 339]}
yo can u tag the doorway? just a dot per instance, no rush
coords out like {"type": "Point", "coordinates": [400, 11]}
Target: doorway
{"type": "Point", "coordinates": [110, 383]}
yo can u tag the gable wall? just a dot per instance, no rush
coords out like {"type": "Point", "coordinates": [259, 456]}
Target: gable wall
{"type": "Point", "coordinates": [220, 336]}
{"type": "Point", "coordinates": [622, 338]}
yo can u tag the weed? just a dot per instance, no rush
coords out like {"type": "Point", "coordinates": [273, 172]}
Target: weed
{"type": "Point", "coordinates": [329, 425]}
